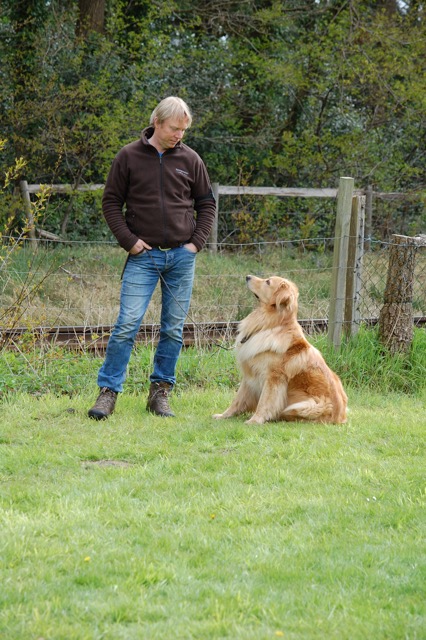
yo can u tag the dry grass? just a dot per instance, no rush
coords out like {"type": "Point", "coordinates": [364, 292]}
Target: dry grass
{"type": "Point", "coordinates": [80, 285]}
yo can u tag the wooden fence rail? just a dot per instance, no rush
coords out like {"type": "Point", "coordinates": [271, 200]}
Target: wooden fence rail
{"type": "Point", "coordinates": [227, 190]}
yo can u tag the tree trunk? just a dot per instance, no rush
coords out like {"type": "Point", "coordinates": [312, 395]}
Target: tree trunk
{"type": "Point", "coordinates": [396, 317]}
{"type": "Point", "coordinates": [91, 17]}
{"type": "Point", "coordinates": [27, 20]}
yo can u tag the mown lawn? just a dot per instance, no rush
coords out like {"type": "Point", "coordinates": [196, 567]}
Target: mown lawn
{"type": "Point", "coordinates": [148, 528]}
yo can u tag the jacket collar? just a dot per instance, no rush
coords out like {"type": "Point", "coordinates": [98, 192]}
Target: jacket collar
{"type": "Point", "coordinates": [147, 133]}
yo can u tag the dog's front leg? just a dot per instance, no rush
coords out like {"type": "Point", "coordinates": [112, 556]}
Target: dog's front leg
{"type": "Point", "coordinates": [271, 403]}
{"type": "Point", "coordinates": [239, 405]}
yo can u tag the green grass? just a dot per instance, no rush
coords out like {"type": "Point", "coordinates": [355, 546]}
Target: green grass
{"type": "Point", "coordinates": [189, 528]}
{"type": "Point", "coordinates": [361, 362]}
{"type": "Point", "coordinates": [141, 527]}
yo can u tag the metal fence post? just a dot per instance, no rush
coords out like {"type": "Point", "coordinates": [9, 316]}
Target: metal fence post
{"type": "Point", "coordinates": [340, 261]}
{"type": "Point", "coordinates": [213, 232]}
{"type": "Point", "coordinates": [368, 216]}
{"type": "Point", "coordinates": [354, 269]}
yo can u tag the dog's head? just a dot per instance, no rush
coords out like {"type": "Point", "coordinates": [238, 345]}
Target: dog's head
{"type": "Point", "coordinates": [275, 292]}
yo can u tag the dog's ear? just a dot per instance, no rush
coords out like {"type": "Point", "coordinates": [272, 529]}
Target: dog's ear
{"type": "Point", "coordinates": [286, 298]}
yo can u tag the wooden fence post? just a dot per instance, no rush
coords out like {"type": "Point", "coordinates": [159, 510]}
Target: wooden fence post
{"type": "Point", "coordinates": [396, 321]}
{"type": "Point", "coordinates": [354, 269]}
{"type": "Point", "coordinates": [340, 260]}
{"type": "Point", "coordinates": [213, 232]}
{"type": "Point", "coordinates": [23, 185]}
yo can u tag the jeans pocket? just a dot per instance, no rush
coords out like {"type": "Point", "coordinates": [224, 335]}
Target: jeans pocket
{"type": "Point", "coordinates": [192, 253]}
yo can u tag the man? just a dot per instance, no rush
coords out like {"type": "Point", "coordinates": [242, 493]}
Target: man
{"type": "Point", "coordinates": [160, 181]}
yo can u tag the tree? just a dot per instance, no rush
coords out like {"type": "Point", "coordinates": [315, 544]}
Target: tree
{"type": "Point", "coordinates": [91, 17]}
{"type": "Point", "coordinates": [284, 93]}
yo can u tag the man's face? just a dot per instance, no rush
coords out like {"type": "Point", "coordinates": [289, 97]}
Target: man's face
{"type": "Point", "coordinates": [170, 132]}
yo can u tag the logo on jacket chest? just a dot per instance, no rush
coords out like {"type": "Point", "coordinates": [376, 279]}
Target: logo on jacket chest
{"type": "Point", "coordinates": [182, 172]}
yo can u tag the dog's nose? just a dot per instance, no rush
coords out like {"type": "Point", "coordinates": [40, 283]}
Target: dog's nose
{"type": "Point", "coordinates": [248, 278]}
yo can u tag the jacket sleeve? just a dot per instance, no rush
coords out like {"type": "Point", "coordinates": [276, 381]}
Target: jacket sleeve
{"type": "Point", "coordinates": [113, 200]}
{"type": "Point", "coordinates": [204, 205]}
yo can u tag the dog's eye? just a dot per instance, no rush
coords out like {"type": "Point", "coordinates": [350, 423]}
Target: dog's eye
{"type": "Point", "coordinates": [268, 282]}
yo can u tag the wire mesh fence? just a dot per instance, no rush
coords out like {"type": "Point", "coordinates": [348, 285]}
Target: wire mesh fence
{"type": "Point", "coordinates": [47, 282]}
{"type": "Point", "coordinates": [78, 284]}
{"type": "Point", "coordinates": [373, 278]}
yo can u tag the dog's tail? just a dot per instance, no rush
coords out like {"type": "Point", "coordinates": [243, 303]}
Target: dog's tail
{"type": "Point", "coordinates": [320, 409]}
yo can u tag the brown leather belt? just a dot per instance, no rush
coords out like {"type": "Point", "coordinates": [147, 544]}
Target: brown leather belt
{"type": "Point", "coordinates": [173, 245]}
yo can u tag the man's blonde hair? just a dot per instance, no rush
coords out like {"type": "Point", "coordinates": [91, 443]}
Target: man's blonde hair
{"type": "Point", "coordinates": [171, 107]}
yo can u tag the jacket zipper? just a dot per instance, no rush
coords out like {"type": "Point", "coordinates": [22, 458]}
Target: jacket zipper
{"type": "Point", "coordinates": [163, 208]}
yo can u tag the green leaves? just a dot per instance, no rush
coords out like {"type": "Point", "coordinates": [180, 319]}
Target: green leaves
{"type": "Point", "coordinates": [297, 94]}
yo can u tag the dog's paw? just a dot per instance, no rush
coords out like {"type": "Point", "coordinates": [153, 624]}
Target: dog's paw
{"type": "Point", "coordinates": [255, 420]}
{"type": "Point", "coordinates": [217, 416]}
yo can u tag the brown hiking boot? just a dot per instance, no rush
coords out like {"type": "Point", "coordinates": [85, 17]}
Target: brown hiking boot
{"type": "Point", "coordinates": [104, 405]}
{"type": "Point", "coordinates": [158, 399]}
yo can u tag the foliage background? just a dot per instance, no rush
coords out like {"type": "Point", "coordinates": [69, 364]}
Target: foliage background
{"type": "Point", "coordinates": [283, 93]}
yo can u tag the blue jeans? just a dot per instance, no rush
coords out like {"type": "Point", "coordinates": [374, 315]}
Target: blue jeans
{"type": "Point", "coordinates": [140, 277]}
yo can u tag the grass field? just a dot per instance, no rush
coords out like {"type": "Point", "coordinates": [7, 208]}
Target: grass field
{"type": "Point", "coordinates": [147, 528]}
{"type": "Point", "coordinates": [142, 527]}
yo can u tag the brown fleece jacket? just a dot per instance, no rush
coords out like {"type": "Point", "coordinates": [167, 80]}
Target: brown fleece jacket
{"type": "Point", "coordinates": [160, 195]}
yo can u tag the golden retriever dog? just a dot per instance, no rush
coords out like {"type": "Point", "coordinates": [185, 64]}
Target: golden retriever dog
{"type": "Point", "coordinates": [283, 376]}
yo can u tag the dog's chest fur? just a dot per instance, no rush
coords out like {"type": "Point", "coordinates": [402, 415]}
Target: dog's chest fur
{"type": "Point", "coordinates": [274, 340]}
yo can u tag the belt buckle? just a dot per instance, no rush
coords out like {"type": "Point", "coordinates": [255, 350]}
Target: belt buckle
{"type": "Point", "coordinates": [162, 249]}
